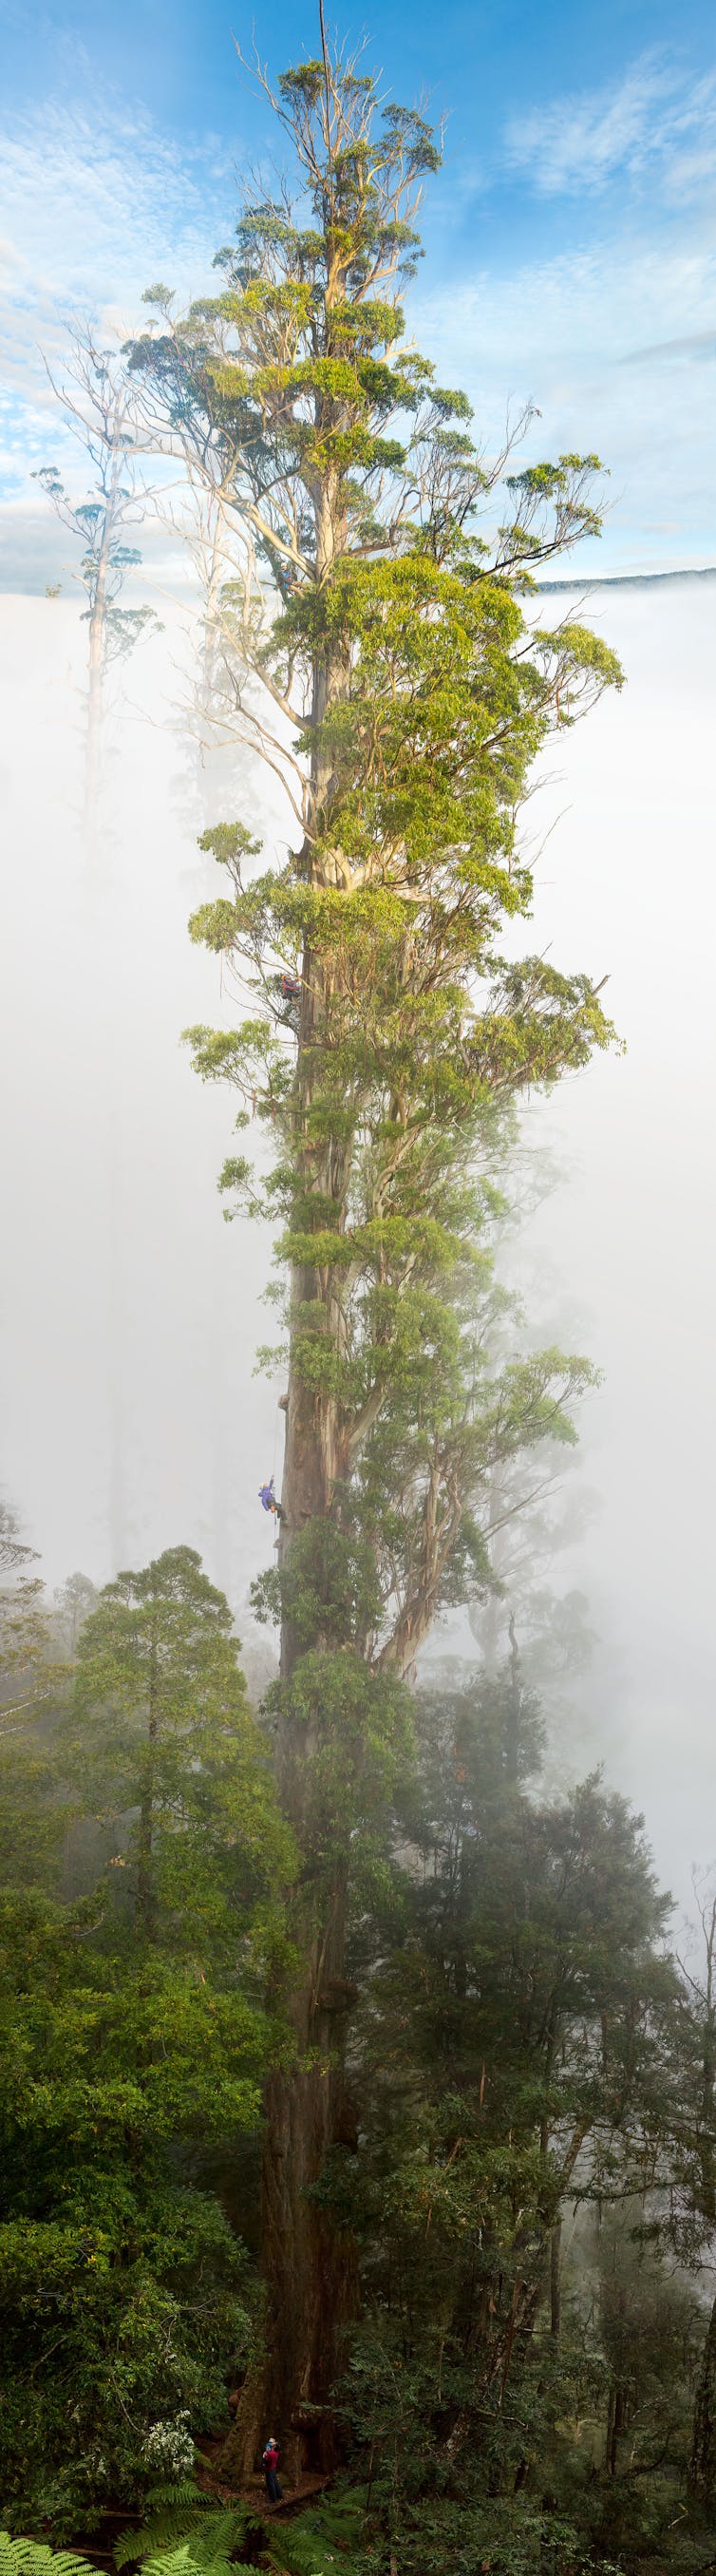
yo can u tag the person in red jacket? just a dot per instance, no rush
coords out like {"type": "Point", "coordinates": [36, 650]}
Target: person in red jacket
{"type": "Point", "coordinates": [269, 2465]}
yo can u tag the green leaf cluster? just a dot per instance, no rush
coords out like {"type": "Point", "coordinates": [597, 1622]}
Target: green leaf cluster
{"type": "Point", "coordinates": [135, 2040]}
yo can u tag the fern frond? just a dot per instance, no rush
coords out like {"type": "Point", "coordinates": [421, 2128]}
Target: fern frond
{"type": "Point", "coordinates": [218, 2535]}
{"type": "Point", "coordinates": [333, 2527]}
{"type": "Point", "coordinates": [184, 2491]}
{"type": "Point", "coordinates": [182, 2562]}
{"type": "Point", "coordinates": [161, 2531]}
{"type": "Point", "coordinates": [32, 2558]}
{"type": "Point", "coordinates": [207, 2531]}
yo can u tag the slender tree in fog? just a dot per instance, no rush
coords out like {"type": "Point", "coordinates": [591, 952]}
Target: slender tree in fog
{"type": "Point", "coordinates": [94, 399]}
{"type": "Point", "coordinates": [201, 510]}
{"type": "Point", "coordinates": [393, 683]}
{"type": "Point", "coordinates": [14, 1550]}
{"type": "Point", "coordinates": [26, 1674]}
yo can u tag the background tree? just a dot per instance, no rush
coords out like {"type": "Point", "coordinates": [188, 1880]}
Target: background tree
{"type": "Point", "coordinates": [200, 512]}
{"type": "Point", "coordinates": [14, 1550]}
{"type": "Point", "coordinates": [177, 1749]}
{"type": "Point", "coordinates": [74, 1600]}
{"type": "Point", "coordinates": [28, 1665]}
{"type": "Point", "coordinates": [392, 683]}
{"type": "Point", "coordinates": [692, 2216]}
{"type": "Point", "coordinates": [135, 2034]}
{"type": "Point", "coordinates": [94, 400]}
{"type": "Point", "coordinates": [508, 2059]}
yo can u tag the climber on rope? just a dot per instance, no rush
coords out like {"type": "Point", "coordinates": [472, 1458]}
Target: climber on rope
{"type": "Point", "coordinates": [289, 989]}
{"type": "Point", "coordinates": [268, 1498]}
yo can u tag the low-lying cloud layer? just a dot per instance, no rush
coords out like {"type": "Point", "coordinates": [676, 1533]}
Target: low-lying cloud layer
{"type": "Point", "coordinates": [131, 1313]}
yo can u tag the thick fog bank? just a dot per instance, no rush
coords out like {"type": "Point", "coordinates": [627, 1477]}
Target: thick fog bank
{"type": "Point", "coordinates": [131, 1417]}
{"type": "Point", "coordinates": [627, 887]}
{"type": "Point", "coordinates": [130, 1309]}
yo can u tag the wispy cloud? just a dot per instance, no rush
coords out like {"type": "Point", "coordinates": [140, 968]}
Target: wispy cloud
{"type": "Point", "coordinates": [696, 345]}
{"type": "Point", "coordinates": [653, 121]}
{"type": "Point", "coordinates": [95, 204]}
{"type": "Point", "coordinates": [90, 200]}
{"type": "Point", "coordinates": [585, 336]}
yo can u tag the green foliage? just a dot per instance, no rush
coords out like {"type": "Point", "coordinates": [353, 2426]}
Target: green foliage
{"type": "Point", "coordinates": [205, 2537]}
{"type": "Point", "coordinates": [387, 630]}
{"type": "Point", "coordinates": [187, 2559]}
{"type": "Point", "coordinates": [516, 2016]}
{"type": "Point", "coordinates": [173, 1742]}
{"type": "Point", "coordinates": [32, 2558]}
{"type": "Point", "coordinates": [135, 2031]}
{"type": "Point", "coordinates": [328, 2534]}
{"type": "Point", "coordinates": [523, 2061]}
{"type": "Point", "coordinates": [388, 667]}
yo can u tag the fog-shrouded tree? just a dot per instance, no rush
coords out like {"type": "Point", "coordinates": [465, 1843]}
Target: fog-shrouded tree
{"type": "Point", "coordinates": [15, 1551]}
{"type": "Point", "coordinates": [135, 2030]}
{"type": "Point", "coordinates": [94, 399]}
{"type": "Point", "coordinates": [177, 1749]}
{"type": "Point", "coordinates": [388, 667]}
{"type": "Point", "coordinates": [513, 2062]}
{"type": "Point", "coordinates": [29, 1669]}
{"type": "Point", "coordinates": [74, 1600]}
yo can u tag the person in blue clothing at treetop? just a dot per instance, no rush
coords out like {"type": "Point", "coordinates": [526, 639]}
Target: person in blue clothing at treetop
{"type": "Point", "coordinates": [268, 1498]}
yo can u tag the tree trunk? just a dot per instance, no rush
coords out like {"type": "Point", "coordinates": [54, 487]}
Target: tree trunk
{"type": "Point", "coordinates": [555, 2280]}
{"type": "Point", "coordinates": [309, 2261]}
{"type": "Point", "coordinates": [145, 1887]}
{"type": "Point", "coordinates": [514, 1710]}
{"type": "Point", "coordinates": [616, 2427]}
{"type": "Point", "coordinates": [97, 647]}
{"type": "Point", "coordinates": [702, 2468]}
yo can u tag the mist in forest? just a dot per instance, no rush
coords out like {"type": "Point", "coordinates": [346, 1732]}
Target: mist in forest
{"type": "Point", "coordinates": [132, 1414]}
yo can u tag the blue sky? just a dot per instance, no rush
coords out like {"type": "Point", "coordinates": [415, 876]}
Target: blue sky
{"type": "Point", "coordinates": [570, 239]}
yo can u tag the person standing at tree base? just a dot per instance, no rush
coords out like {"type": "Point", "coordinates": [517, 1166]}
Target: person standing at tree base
{"type": "Point", "coordinates": [269, 2465]}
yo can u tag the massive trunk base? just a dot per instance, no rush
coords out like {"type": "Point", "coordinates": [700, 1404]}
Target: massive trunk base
{"type": "Point", "coordinates": [311, 2274]}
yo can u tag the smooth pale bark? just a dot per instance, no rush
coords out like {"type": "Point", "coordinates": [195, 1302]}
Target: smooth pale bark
{"type": "Point", "coordinates": [97, 654]}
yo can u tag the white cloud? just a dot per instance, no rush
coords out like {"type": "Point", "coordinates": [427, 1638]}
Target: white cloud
{"type": "Point", "coordinates": [654, 121]}
{"type": "Point", "coordinates": [91, 203]}
{"type": "Point", "coordinates": [95, 204]}
{"type": "Point", "coordinates": [93, 207]}
{"type": "Point", "coordinates": [558, 332]}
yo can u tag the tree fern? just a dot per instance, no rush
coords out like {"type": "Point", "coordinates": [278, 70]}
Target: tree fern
{"type": "Point", "coordinates": [183, 2562]}
{"type": "Point", "coordinates": [196, 2535]}
{"type": "Point", "coordinates": [32, 2558]}
{"type": "Point", "coordinates": [331, 2531]}
{"type": "Point", "coordinates": [182, 2491]}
